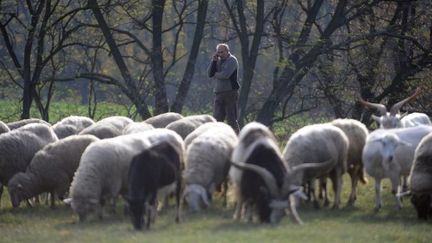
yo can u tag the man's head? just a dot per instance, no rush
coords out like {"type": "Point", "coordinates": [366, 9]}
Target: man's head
{"type": "Point", "coordinates": [222, 50]}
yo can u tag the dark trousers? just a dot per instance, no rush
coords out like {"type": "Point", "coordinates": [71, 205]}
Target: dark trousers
{"type": "Point", "coordinates": [225, 107]}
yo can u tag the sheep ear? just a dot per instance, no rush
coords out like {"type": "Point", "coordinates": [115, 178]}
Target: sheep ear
{"type": "Point", "coordinates": [67, 201]}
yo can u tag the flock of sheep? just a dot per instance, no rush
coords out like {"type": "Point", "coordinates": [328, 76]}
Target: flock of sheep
{"type": "Point", "coordinates": [90, 165]}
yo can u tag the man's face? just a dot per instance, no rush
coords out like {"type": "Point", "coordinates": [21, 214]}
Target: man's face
{"type": "Point", "coordinates": [222, 52]}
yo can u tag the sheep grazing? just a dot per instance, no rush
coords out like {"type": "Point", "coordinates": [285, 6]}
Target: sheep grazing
{"type": "Point", "coordinates": [392, 118]}
{"type": "Point", "coordinates": [135, 127]}
{"type": "Point", "coordinates": [108, 127]}
{"type": "Point", "coordinates": [207, 163]}
{"type": "Point", "coordinates": [3, 127]}
{"type": "Point", "coordinates": [262, 180]}
{"type": "Point", "coordinates": [188, 124]}
{"type": "Point", "coordinates": [156, 167]}
{"type": "Point", "coordinates": [71, 125]}
{"type": "Point", "coordinates": [388, 153]}
{"type": "Point", "coordinates": [18, 147]}
{"type": "Point", "coordinates": [51, 170]}
{"type": "Point", "coordinates": [202, 129]}
{"type": "Point", "coordinates": [420, 179]}
{"type": "Point", "coordinates": [102, 174]}
{"type": "Point", "coordinates": [162, 120]}
{"type": "Point", "coordinates": [356, 133]}
{"type": "Point", "coordinates": [323, 144]}
{"type": "Point", "coordinates": [20, 123]}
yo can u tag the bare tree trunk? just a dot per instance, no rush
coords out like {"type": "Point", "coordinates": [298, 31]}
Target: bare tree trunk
{"type": "Point", "coordinates": [130, 89]}
{"type": "Point", "coordinates": [190, 67]}
{"type": "Point", "coordinates": [161, 103]}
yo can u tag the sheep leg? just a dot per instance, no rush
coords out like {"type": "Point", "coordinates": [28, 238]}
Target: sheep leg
{"type": "Point", "coordinates": [313, 195]}
{"type": "Point", "coordinates": [377, 194]}
{"type": "Point", "coordinates": [337, 187]}
{"type": "Point", "coordinates": [395, 181]}
{"type": "Point", "coordinates": [52, 200]}
{"type": "Point", "coordinates": [178, 198]}
{"type": "Point", "coordinates": [354, 183]}
{"type": "Point", "coordinates": [323, 191]}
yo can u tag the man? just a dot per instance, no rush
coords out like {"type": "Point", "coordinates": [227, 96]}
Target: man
{"type": "Point", "coordinates": [224, 71]}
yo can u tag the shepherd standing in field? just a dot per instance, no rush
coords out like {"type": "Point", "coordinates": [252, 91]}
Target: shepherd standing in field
{"type": "Point", "coordinates": [224, 71]}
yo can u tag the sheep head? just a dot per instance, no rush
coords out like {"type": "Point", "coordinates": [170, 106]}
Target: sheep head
{"type": "Point", "coordinates": [389, 118]}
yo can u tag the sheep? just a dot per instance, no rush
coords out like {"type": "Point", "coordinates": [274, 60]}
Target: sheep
{"type": "Point", "coordinates": [415, 119]}
{"type": "Point", "coordinates": [162, 120]}
{"type": "Point", "coordinates": [135, 127]}
{"type": "Point", "coordinates": [3, 127]}
{"type": "Point", "coordinates": [51, 170]}
{"type": "Point", "coordinates": [18, 147]}
{"type": "Point", "coordinates": [187, 124]}
{"type": "Point", "coordinates": [20, 123]}
{"type": "Point", "coordinates": [202, 129]}
{"type": "Point", "coordinates": [108, 127]}
{"type": "Point", "coordinates": [393, 119]}
{"type": "Point", "coordinates": [261, 177]}
{"type": "Point", "coordinates": [156, 167]}
{"type": "Point", "coordinates": [71, 125]}
{"type": "Point", "coordinates": [314, 144]}
{"type": "Point", "coordinates": [388, 153]}
{"type": "Point", "coordinates": [420, 179]}
{"type": "Point", "coordinates": [207, 164]}
{"type": "Point", "coordinates": [356, 133]}
{"type": "Point", "coordinates": [103, 171]}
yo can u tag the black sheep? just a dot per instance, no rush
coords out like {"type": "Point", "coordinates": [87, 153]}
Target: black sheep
{"type": "Point", "coordinates": [155, 167]}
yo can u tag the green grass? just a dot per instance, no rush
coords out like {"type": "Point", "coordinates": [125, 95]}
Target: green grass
{"type": "Point", "coordinates": [356, 224]}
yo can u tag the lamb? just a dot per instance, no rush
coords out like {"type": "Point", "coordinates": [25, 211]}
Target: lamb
{"type": "Point", "coordinates": [420, 178]}
{"type": "Point", "coordinates": [3, 127]}
{"type": "Point", "coordinates": [162, 120]}
{"type": "Point", "coordinates": [108, 127]}
{"type": "Point", "coordinates": [356, 133]}
{"type": "Point", "coordinates": [388, 153]}
{"type": "Point", "coordinates": [18, 147]}
{"type": "Point", "coordinates": [393, 119]}
{"type": "Point", "coordinates": [187, 124]}
{"type": "Point", "coordinates": [315, 144]}
{"type": "Point", "coordinates": [156, 167]}
{"type": "Point", "coordinates": [51, 170]}
{"type": "Point", "coordinates": [103, 171]}
{"type": "Point", "coordinates": [135, 127]}
{"type": "Point", "coordinates": [20, 123]}
{"type": "Point", "coordinates": [261, 177]}
{"type": "Point", "coordinates": [207, 163]}
{"type": "Point", "coordinates": [71, 125]}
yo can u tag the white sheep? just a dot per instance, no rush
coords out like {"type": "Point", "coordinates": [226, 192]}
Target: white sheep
{"type": "Point", "coordinates": [388, 153]}
{"type": "Point", "coordinates": [17, 124]}
{"type": "Point", "coordinates": [71, 125]}
{"type": "Point", "coordinates": [18, 147]}
{"type": "Point", "coordinates": [51, 170]}
{"type": "Point", "coordinates": [202, 129]}
{"type": "Point", "coordinates": [108, 127]}
{"type": "Point", "coordinates": [103, 171]}
{"type": "Point", "coordinates": [393, 118]}
{"type": "Point", "coordinates": [415, 119]}
{"type": "Point", "coordinates": [207, 164]}
{"type": "Point", "coordinates": [135, 127]}
{"type": "Point", "coordinates": [188, 124]}
{"type": "Point", "coordinates": [356, 133]}
{"type": "Point", "coordinates": [162, 120]}
{"type": "Point", "coordinates": [319, 143]}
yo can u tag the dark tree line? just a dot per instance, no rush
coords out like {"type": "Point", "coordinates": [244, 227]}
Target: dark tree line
{"type": "Point", "coordinates": [314, 56]}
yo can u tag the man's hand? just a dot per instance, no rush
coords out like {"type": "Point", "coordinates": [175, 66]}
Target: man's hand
{"type": "Point", "coordinates": [215, 57]}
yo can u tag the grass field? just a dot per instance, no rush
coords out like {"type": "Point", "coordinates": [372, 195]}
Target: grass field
{"type": "Point", "coordinates": [357, 224]}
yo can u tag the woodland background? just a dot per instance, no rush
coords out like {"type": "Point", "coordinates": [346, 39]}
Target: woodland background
{"type": "Point", "coordinates": [297, 57]}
